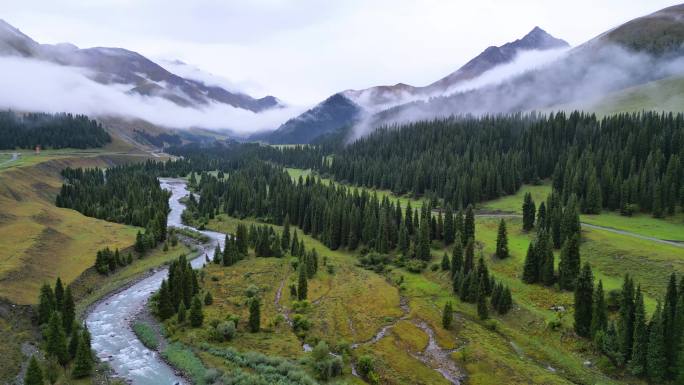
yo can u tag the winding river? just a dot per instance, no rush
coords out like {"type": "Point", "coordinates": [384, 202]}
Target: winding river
{"type": "Point", "coordinates": [108, 321]}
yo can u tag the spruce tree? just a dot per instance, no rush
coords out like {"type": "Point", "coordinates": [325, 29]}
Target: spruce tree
{"type": "Point", "coordinates": [285, 238]}
{"type": "Point", "coordinates": [506, 301]}
{"type": "Point", "coordinates": [218, 255]}
{"type": "Point", "coordinates": [469, 259]}
{"type": "Point", "coordinates": [482, 310]}
{"type": "Point", "coordinates": [83, 363]}
{"type": "Point", "coordinates": [669, 326]}
{"type": "Point", "coordinates": [164, 303]}
{"type": "Point", "coordinates": [531, 266]}
{"type": "Point", "coordinates": [446, 264]}
{"type": "Point", "coordinates": [196, 313]}
{"type": "Point", "coordinates": [528, 210]}
{"type": "Point", "coordinates": [423, 246]}
{"type": "Point", "coordinates": [502, 241]}
{"type": "Point", "coordinates": [449, 230]}
{"type": "Point", "coordinates": [637, 364]}
{"type": "Point", "coordinates": [68, 311]}
{"type": "Point", "coordinates": [457, 256]}
{"type": "Point", "coordinates": [447, 315]}
{"type": "Point", "coordinates": [599, 313]}
{"type": "Point", "coordinates": [469, 223]}
{"type": "Point", "coordinates": [626, 320]}
{"type": "Point", "coordinates": [59, 295]}
{"type": "Point", "coordinates": [181, 312]}
{"type": "Point", "coordinates": [208, 299]}
{"type": "Point", "coordinates": [569, 266]}
{"type": "Point", "coordinates": [34, 375]}
{"type": "Point", "coordinates": [46, 304]}
{"type": "Point", "coordinates": [584, 291]}
{"type": "Point", "coordinates": [254, 315]}
{"type": "Point", "coordinates": [302, 285]}
{"type": "Point", "coordinates": [56, 345]}
{"type": "Point", "coordinates": [656, 362]}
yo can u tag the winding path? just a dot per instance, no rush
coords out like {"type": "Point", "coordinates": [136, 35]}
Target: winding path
{"type": "Point", "coordinates": [598, 227]}
{"type": "Point", "coordinates": [109, 320]}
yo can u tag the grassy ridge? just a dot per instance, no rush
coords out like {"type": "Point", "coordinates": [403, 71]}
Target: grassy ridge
{"type": "Point", "coordinates": [38, 241]}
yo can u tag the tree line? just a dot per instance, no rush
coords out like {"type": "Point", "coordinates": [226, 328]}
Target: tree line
{"type": "Point", "coordinates": [50, 131]}
{"type": "Point", "coordinates": [65, 341]}
{"type": "Point", "coordinates": [648, 348]}
{"type": "Point", "coordinates": [627, 162]}
{"type": "Point", "coordinates": [124, 194]}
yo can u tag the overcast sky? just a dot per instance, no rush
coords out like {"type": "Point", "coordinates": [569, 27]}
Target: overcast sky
{"type": "Point", "coordinates": [302, 51]}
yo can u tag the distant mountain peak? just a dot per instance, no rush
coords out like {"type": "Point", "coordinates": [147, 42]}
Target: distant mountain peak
{"type": "Point", "coordinates": [113, 65]}
{"type": "Point", "coordinates": [537, 38]}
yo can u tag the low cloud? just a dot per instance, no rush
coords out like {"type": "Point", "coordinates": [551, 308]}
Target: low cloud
{"type": "Point", "coordinates": [33, 85]}
{"type": "Point", "coordinates": [578, 79]}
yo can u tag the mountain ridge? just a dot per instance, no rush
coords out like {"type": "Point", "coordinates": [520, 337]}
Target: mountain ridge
{"type": "Point", "coordinates": [113, 65]}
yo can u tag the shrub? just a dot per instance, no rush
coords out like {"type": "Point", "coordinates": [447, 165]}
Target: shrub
{"type": "Point", "coordinates": [415, 266]}
{"type": "Point", "coordinates": [226, 330]}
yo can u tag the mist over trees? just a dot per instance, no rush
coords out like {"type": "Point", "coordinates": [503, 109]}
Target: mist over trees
{"type": "Point", "coordinates": [627, 162]}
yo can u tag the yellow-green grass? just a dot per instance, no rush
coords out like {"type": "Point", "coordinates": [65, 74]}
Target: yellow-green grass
{"type": "Point", "coordinates": [668, 228]}
{"type": "Point", "coordinates": [91, 286]}
{"type": "Point", "coordinates": [40, 242]}
{"type": "Point", "coordinates": [513, 203]}
{"type": "Point", "coordinates": [660, 95]}
{"type": "Point", "coordinates": [490, 362]}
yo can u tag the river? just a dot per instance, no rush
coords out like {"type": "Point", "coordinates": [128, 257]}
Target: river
{"type": "Point", "coordinates": [108, 321]}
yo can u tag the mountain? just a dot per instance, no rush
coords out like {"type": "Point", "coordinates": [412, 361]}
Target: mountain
{"type": "Point", "coordinates": [346, 108]}
{"type": "Point", "coordinates": [118, 66]}
{"type": "Point", "coordinates": [638, 52]}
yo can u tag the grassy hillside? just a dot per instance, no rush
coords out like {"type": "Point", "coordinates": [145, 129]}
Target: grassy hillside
{"type": "Point", "coordinates": [39, 241]}
{"type": "Point", "coordinates": [352, 304]}
{"type": "Point", "coordinates": [661, 95]}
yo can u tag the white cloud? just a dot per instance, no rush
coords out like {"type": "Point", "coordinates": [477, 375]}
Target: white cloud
{"type": "Point", "coordinates": [41, 86]}
{"type": "Point", "coordinates": [305, 50]}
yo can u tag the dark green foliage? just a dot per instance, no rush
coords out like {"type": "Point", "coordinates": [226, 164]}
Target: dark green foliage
{"type": "Point", "coordinates": [182, 310]}
{"type": "Point", "coordinates": [626, 319]}
{"type": "Point", "coordinates": [531, 266]}
{"type": "Point", "coordinates": [302, 285]}
{"type": "Point", "coordinates": [83, 362]}
{"type": "Point", "coordinates": [637, 364]}
{"type": "Point", "coordinates": [584, 298]}
{"type": "Point", "coordinates": [50, 131]}
{"type": "Point", "coordinates": [529, 211]}
{"type": "Point", "coordinates": [59, 295]}
{"type": "Point", "coordinates": [599, 313]}
{"type": "Point", "coordinates": [482, 310]}
{"type": "Point", "coordinates": [569, 266]}
{"type": "Point", "coordinates": [457, 256]}
{"type": "Point", "coordinates": [447, 315]}
{"type": "Point", "coordinates": [182, 283]}
{"type": "Point", "coordinates": [46, 304]}
{"type": "Point", "coordinates": [254, 315]}
{"type": "Point", "coordinates": [502, 241]}
{"type": "Point", "coordinates": [469, 223]}
{"type": "Point", "coordinates": [609, 162]}
{"type": "Point", "coordinates": [34, 375]}
{"type": "Point", "coordinates": [165, 308]}
{"type": "Point", "coordinates": [208, 299]}
{"type": "Point", "coordinates": [128, 194]}
{"type": "Point", "coordinates": [196, 313]}
{"type": "Point", "coordinates": [56, 344]}
{"type": "Point", "coordinates": [449, 229]}
{"type": "Point", "coordinates": [446, 264]}
{"type": "Point", "coordinates": [68, 311]}
{"type": "Point", "coordinates": [656, 359]}
{"type": "Point", "coordinates": [469, 259]}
